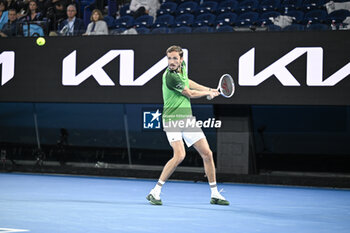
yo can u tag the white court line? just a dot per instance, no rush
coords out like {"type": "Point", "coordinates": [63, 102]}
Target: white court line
{"type": "Point", "coordinates": [10, 230]}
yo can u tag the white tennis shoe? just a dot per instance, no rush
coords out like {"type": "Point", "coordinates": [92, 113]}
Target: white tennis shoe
{"type": "Point", "coordinates": [154, 197]}
{"type": "Point", "coordinates": [218, 199]}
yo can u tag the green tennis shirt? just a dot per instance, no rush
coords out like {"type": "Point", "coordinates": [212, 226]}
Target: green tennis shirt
{"type": "Point", "coordinates": [176, 105]}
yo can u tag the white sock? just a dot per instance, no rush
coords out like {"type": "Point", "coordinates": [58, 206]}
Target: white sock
{"type": "Point", "coordinates": [213, 188]}
{"type": "Point", "coordinates": [159, 186]}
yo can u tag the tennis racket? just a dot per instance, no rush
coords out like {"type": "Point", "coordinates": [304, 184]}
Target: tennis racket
{"type": "Point", "coordinates": [226, 86]}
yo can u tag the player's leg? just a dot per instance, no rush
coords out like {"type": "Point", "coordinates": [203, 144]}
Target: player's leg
{"type": "Point", "coordinates": [203, 149]}
{"type": "Point", "coordinates": [178, 157]}
{"type": "Point", "coordinates": [179, 154]}
{"type": "Point", "coordinates": [202, 146]}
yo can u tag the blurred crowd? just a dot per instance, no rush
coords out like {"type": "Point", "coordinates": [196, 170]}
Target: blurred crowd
{"type": "Point", "coordinates": [103, 17]}
{"type": "Point", "coordinates": [58, 17]}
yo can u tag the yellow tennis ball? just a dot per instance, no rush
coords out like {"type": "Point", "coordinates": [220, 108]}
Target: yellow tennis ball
{"type": "Point", "coordinates": [40, 41]}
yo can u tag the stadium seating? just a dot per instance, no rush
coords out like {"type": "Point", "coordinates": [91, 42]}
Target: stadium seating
{"type": "Point", "coordinates": [273, 28]}
{"type": "Point", "coordinates": [313, 4]}
{"type": "Point", "coordinates": [187, 7]}
{"type": "Point", "coordinates": [227, 18]}
{"type": "Point", "coordinates": [143, 30]}
{"type": "Point", "coordinates": [83, 5]}
{"type": "Point", "coordinates": [110, 21]}
{"type": "Point", "coordinates": [126, 21]}
{"type": "Point", "coordinates": [167, 8]}
{"type": "Point", "coordinates": [165, 20]}
{"type": "Point", "coordinates": [161, 30]}
{"type": "Point", "coordinates": [248, 5]}
{"type": "Point", "coordinates": [265, 17]}
{"type": "Point", "coordinates": [211, 0]}
{"type": "Point", "coordinates": [294, 27]}
{"type": "Point", "coordinates": [182, 29]}
{"type": "Point", "coordinates": [247, 19]}
{"type": "Point", "coordinates": [184, 20]}
{"type": "Point", "coordinates": [288, 5]}
{"type": "Point", "coordinates": [206, 19]}
{"type": "Point", "coordinates": [227, 6]}
{"type": "Point", "coordinates": [124, 10]}
{"type": "Point", "coordinates": [144, 21]}
{"type": "Point", "coordinates": [182, 1]}
{"type": "Point", "coordinates": [297, 15]}
{"type": "Point", "coordinates": [207, 7]}
{"type": "Point", "coordinates": [203, 29]}
{"type": "Point", "coordinates": [317, 27]}
{"type": "Point", "coordinates": [315, 16]}
{"type": "Point", "coordinates": [87, 14]}
{"type": "Point", "coordinates": [269, 5]}
{"type": "Point", "coordinates": [338, 16]}
{"type": "Point", "coordinates": [112, 7]}
{"type": "Point", "coordinates": [198, 16]}
{"type": "Point", "coordinates": [225, 28]}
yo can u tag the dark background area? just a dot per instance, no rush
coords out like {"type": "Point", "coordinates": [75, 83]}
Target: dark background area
{"type": "Point", "coordinates": [298, 135]}
{"type": "Point", "coordinates": [286, 138]}
{"type": "Point", "coordinates": [38, 70]}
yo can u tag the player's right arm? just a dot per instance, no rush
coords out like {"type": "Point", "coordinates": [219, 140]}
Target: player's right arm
{"type": "Point", "coordinates": [193, 94]}
{"type": "Point", "coordinates": [174, 82]}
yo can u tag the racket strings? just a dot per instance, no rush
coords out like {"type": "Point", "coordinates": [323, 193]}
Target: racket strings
{"type": "Point", "coordinates": [225, 86]}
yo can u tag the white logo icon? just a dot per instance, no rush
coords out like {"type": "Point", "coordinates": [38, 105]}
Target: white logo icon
{"type": "Point", "coordinates": [7, 59]}
{"type": "Point", "coordinates": [151, 120]}
{"type": "Point", "coordinates": [314, 69]}
{"type": "Point", "coordinates": [126, 70]}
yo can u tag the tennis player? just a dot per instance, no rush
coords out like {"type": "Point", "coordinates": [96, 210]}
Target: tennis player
{"type": "Point", "coordinates": [178, 89]}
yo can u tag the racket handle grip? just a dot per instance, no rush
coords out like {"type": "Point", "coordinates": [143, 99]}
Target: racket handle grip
{"type": "Point", "coordinates": [209, 98]}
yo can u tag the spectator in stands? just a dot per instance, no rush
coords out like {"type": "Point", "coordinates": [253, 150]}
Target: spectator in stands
{"type": "Point", "coordinates": [56, 13]}
{"type": "Point", "coordinates": [142, 7]}
{"type": "Point", "coordinates": [97, 26]}
{"type": "Point", "coordinates": [3, 13]}
{"type": "Point", "coordinates": [338, 5]}
{"type": "Point", "coordinates": [13, 4]}
{"type": "Point", "coordinates": [72, 26]}
{"type": "Point", "coordinates": [76, 3]}
{"type": "Point", "coordinates": [22, 8]}
{"type": "Point", "coordinates": [10, 28]}
{"type": "Point", "coordinates": [50, 4]}
{"type": "Point", "coordinates": [32, 14]}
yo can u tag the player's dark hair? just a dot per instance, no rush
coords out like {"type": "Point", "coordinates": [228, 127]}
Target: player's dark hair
{"type": "Point", "coordinates": [175, 48]}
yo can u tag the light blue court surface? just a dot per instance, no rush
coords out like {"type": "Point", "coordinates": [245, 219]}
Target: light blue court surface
{"type": "Point", "coordinates": [66, 204]}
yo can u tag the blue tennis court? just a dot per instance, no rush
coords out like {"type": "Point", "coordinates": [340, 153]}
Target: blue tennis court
{"type": "Point", "coordinates": [55, 204]}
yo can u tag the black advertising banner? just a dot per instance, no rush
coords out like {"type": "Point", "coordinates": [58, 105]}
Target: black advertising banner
{"type": "Point", "coordinates": [293, 68]}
